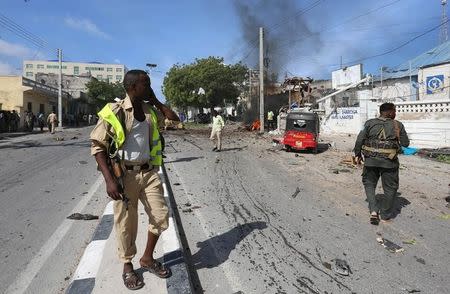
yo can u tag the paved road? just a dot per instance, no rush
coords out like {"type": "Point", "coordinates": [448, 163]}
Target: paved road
{"type": "Point", "coordinates": [42, 181]}
{"type": "Point", "coordinates": [247, 233]}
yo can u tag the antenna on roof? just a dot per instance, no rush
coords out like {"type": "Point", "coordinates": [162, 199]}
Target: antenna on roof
{"type": "Point", "coordinates": [443, 34]}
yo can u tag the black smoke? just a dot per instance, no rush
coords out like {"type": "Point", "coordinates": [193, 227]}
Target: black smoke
{"type": "Point", "coordinates": [287, 34]}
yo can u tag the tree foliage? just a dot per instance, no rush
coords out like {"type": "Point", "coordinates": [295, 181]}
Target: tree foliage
{"type": "Point", "coordinates": [103, 92]}
{"type": "Point", "coordinates": [221, 83]}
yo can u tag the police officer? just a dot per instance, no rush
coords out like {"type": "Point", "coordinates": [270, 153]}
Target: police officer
{"type": "Point", "coordinates": [379, 144]}
{"type": "Point", "coordinates": [130, 127]}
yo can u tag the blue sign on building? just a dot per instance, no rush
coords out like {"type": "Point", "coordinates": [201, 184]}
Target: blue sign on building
{"type": "Point", "coordinates": [435, 84]}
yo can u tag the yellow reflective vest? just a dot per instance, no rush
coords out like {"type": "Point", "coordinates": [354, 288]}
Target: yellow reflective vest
{"type": "Point", "coordinates": [119, 133]}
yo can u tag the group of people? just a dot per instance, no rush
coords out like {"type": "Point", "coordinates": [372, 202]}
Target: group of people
{"type": "Point", "coordinates": [127, 147]}
{"type": "Point", "coordinates": [9, 121]}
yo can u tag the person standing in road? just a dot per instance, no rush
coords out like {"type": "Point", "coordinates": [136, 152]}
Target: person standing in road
{"type": "Point", "coordinates": [127, 137]}
{"type": "Point", "coordinates": [52, 120]}
{"type": "Point", "coordinates": [379, 144]}
{"type": "Point", "coordinates": [216, 132]}
{"type": "Point", "coordinates": [270, 121]}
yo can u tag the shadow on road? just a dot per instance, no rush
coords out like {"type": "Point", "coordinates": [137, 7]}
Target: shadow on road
{"type": "Point", "coordinates": [216, 250]}
{"type": "Point", "coordinates": [399, 204]}
{"type": "Point", "coordinates": [184, 159]}
{"type": "Point", "coordinates": [233, 149]}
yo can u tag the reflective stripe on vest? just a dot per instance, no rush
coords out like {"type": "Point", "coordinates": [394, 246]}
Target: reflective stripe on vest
{"type": "Point", "coordinates": [156, 152]}
{"type": "Point", "coordinates": [108, 115]}
{"type": "Point", "coordinates": [119, 135]}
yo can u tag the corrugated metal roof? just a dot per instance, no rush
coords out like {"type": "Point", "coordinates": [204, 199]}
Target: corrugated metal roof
{"type": "Point", "coordinates": [437, 55]}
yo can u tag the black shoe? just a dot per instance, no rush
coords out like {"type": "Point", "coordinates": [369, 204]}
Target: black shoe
{"type": "Point", "coordinates": [217, 150]}
{"type": "Point", "coordinates": [214, 149]}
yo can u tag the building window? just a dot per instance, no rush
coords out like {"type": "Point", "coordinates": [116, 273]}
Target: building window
{"type": "Point", "coordinates": [110, 78]}
{"type": "Point", "coordinates": [76, 70]}
{"type": "Point", "coordinates": [29, 106]}
{"type": "Point", "coordinates": [40, 66]}
{"type": "Point", "coordinates": [53, 66]}
{"type": "Point", "coordinates": [29, 66]}
{"type": "Point", "coordinates": [41, 108]}
{"type": "Point", "coordinates": [29, 74]}
{"type": "Point", "coordinates": [94, 68]}
{"type": "Point", "coordinates": [119, 77]}
{"type": "Point", "coordinates": [118, 69]}
{"type": "Point", "coordinates": [99, 77]}
{"type": "Point", "coordinates": [109, 69]}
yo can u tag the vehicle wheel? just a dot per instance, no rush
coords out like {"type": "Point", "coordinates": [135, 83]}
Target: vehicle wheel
{"type": "Point", "coordinates": [315, 150]}
{"type": "Point", "coordinates": [288, 148]}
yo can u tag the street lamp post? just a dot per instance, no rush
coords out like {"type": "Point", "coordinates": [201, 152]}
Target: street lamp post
{"type": "Point", "coordinates": [151, 66]}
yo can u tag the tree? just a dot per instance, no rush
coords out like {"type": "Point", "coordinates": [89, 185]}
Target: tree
{"type": "Point", "coordinates": [221, 83]}
{"type": "Point", "coordinates": [103, 92]}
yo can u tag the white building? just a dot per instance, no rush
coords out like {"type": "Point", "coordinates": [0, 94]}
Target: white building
{"type": "Point", "coordinates": [101, 71]}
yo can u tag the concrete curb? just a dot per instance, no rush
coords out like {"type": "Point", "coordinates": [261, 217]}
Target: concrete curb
{"type": "Point", "coordinates": [83, 280]}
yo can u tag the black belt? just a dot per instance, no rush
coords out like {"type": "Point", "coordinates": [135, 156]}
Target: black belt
{"type": "Point", "coordinates": [145, 166]}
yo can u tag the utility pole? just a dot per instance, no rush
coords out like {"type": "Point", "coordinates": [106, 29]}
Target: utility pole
{"type": "Point", "coordinates": [60, 118]}
{"type": "Point", "coordinates": [261, 79]}
{"type": "Point", "coordinates": [381, 87]}
{"type": "Point", "coordinates": [443, 34]}
{"type": "Point", "coordinates": [410, 82]}
{"type": "Point", "coordinates": [250, 85]}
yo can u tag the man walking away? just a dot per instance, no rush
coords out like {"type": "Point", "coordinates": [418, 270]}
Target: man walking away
{"type": "Point", "coordinates": [216, 132]}
{"type": "Point", "coordinates": [126, 138]}
{"type": "Point", "coordinates": [52, 120]}
{"type": "Point", "coordinates": [380, 143]}
{"type": "Point", "coordinates": [270, 121]}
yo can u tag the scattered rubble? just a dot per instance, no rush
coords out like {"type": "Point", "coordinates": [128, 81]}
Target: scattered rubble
{"type": "Point", "coordinates": [390, 246]}
{"type": "Point", "coordinates": [297, 191]}
{"type": "Point", "coordinates": [410, 242]}
{"type": "Point", "coordinates": [82, 162]}
{"type": "Point", "coordinates": [341, 267]}
{"type": "Point", "coordinates": [81, 216]}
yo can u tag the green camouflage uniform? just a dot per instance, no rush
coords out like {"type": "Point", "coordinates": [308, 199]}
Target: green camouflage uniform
{"type": "Point", "coordinates": [380, 142]}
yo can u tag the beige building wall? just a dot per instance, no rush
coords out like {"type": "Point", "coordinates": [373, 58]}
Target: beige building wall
{"type": "Point", "coordinates": [15, 96]}
{"type": "Point", "coordinates": [11, 93]}
{"type": "Point", "coordinates": [105, 72]}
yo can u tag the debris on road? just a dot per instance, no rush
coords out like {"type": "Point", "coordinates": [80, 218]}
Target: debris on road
{"type": "Point", "coordinates": [217, 159]}
{"type": "Point", "coordinates": [74, 138]}
{"type": "Point", "coordinates": [187, 204]}
{"type": "Point", "coordinates": [410, 242]}
{"type": "Point", "coordinates": [82, 162]}
{"type": "Point", "coordinates": [420, 260]}
{"type": "Point", "coordinates": [81, 216]}
{"type": "Point", "coordinates": [297, 191]}
{"type": "Point", "coordinates": [341, 267]}
{"type": "Point", "coordinates": [390, 246]}
{"type": "Point", "coordinates": [176, 184]}
{"type": "Point", "coordinates": [196, 207]}
{"type": "Point", "coordinates": [186, 210]}
{"type": "Point", "coordinates": [445, 216]}
{"type": "Point", "coordinates": [59, 138]}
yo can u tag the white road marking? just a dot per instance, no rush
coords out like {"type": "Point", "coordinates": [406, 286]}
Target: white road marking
{"type": "Point", "coordinates": [170, 240]}
{"type": "Point", "coordinates": [109, 209]}
{"type": "Point", "coordinates": [25, 278]}
{"type": "Point", "coordinates": [91, 260]}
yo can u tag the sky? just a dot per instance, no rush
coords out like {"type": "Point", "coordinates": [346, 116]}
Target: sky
{"type": "Point", "coordinates": [303, 37]}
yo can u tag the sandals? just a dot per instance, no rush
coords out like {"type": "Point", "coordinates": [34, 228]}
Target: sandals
{"type": "Point", "coordinates": [158, 269]}
{"type": "Point", "coordinates": [374, 219]}
{"type": "Point", "coordinates": [132, 281]}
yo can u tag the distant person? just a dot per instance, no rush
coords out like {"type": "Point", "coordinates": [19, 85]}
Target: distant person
{"type": "Point", "coordinates": [216, 132]}
{"type": "Point", "coordinates": [379, 144]}
{"type": "Point", "coordinates": [270, 121]}
{"type": "Point", "coordinates": [15, 120]}
{"type": "Point", "coordinates": [90, 119]}
{"type": "Point", "coordinates": [41, 121]}
{"type": "Point", "coordinates": [52, 119]}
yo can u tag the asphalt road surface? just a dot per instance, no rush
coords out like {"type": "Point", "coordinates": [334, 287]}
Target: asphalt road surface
{"type": "Point", "coordinates": [42, 181]}
{"type": "Point", "coordinates": [254, 223]}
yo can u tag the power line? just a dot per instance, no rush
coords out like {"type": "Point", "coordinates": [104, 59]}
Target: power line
{"type": "Point", "coordinates": [400, 46]}
{"type": "Point", "coordinates": [21, 32]}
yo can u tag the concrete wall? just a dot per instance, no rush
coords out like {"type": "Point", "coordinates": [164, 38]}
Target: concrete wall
{"type": "Point", "coordinates": [395, 90]}
{"type": "Point", "coordinates": [11, 93]}
{"type": "Point", "coordinates": [441, 76]}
